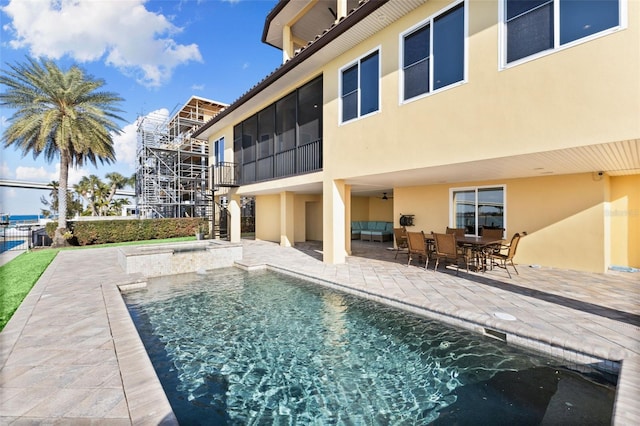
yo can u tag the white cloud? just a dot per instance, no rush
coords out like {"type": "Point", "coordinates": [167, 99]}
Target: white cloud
{"type": "Point", "coordinates": [75, 174]}
{"type": "Point", "coordinates": [35, 174]}
{"type": "Point", "coordinates": [161, 114]}
{"type": "Point", "coordinates": [40, 174]}
{"type": "Point", "coordinates": [197, 87]}
{"type": "Point", "coordinates": [122, 33]}
{"type": "Point", "coordinates": [154, 119]}
{"type": "Point", "coordinates": [125, 145]}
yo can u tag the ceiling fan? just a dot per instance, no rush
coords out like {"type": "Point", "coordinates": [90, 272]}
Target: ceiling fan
{"type": "Point", "coordinates": [385, 196]}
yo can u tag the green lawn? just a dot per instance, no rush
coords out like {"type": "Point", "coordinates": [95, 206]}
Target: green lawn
{"type": "Point", "coordinates": [20, 274]}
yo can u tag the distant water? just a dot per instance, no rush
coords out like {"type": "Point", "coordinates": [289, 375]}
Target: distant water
{"type": "Point", "coordinates": [24, 218]}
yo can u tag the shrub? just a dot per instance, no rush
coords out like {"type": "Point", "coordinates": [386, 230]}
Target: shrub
{"type": "Point", "coordinates": [118, 231]}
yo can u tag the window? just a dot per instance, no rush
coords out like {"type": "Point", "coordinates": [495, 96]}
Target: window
{"type": "Point", "coordinates": [249, 137]}
{"type": "Point", "coordinates": [218, 151]}
{"type": "Point", "coordinates": [360, 87]}
{"type": "Point", "coordinates": [310, 112]}
{"type": "Point", "coordinates": [237, 143]}
{"type": "Point", "coordinates": [286, 118]}
{"type": "Point", "coordinates": [474, 208]}
{"type": "Point", "coordinates": [433, 55]}
{"type": "Point", "coordinates": [535, 26]}
{"type": "Point", "coordinates": [266, 126]}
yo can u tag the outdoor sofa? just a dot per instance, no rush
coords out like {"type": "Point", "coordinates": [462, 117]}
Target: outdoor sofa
{"type": "Point", "coordinates": [372, 230]}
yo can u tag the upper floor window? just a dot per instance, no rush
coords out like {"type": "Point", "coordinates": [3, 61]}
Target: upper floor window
{"type": "Point", "coordinates": [218, 151]}
{"type": "Point", "coordinates": [535, 26]}
{"type": "Point", "coordinates": [433, 55]}
{"type": "Point", "coordinates": [360, 87]}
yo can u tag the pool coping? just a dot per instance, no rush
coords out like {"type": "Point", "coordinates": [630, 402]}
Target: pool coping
{"type": "Point", "coordinates": [146, 400]}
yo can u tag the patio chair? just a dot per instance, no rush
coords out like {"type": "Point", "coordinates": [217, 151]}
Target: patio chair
{"type": "Point", "coordinates": [446, 247]}
{"type": "Point", "coordinates": [501, 259]}
{"type": "Point", "coordinates": [459, 232]}
{"type": "Point", "coordinates": [492, 232]}
{"type": "Point", "coordinates": [400, 235]}
{"type": "Point", "coordinates": [498, 234]}
{"type": "Point", "coordinates": [417, 245]}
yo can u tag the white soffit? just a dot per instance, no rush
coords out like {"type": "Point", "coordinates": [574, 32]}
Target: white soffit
{"type": "Point", "coordinates": [614, 159]}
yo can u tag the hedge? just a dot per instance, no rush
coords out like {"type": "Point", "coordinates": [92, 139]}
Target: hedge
{"type": "Point", "coordinates": [118, 231]}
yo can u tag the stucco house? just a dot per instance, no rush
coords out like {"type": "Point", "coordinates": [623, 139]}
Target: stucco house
{"type": "Point", "coordinates": [520, 115]}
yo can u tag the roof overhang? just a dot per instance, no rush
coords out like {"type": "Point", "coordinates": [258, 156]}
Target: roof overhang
{"type": "Point", "coordinates": [368, 19]}
{"type": "Point", "coordinates": [306, 19]}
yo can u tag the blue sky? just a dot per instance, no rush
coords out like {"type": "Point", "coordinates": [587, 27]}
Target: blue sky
{"type": "Point", "coordinates": [154, 54]}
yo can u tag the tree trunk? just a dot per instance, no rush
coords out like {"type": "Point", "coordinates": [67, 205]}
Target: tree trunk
{"type": "Point", "coordinates": [58, 239]}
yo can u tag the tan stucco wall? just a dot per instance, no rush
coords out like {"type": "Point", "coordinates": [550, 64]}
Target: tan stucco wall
{"type": "Point", "coordinates": [624, 214]}
{"type": "Point", "coordinates": [359, 208]}
{"type": "Point", "coordinates": [268, 217]}
{"type": "Point", "coordinates": [428, 204]}
{"type": "Point", "coordinates": [371, 208]}
{"type": "Point", "coordinates": [308, 218]}
{"type": "Point", "coordinates": [564, 217]}
{"type": "Point", "coordinates": [561, 100]}
{"type": "Point", "coordinates": [313, 210]}
{"type": "Point", "coordinates": [307, 212]}
{"type": "Point", "coordinates": [381, 210]}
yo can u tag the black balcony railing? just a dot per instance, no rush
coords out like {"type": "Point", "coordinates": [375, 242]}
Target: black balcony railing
{"type": "Point", "coordinates": [225, 174]}
{"type": "Point", "coordinates": [303, 159]}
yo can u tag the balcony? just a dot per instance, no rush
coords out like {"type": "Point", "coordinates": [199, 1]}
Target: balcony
{"type": "Point", "coordinates": [225, 174]}
{"type": "Point", "coordinates": [297, 161]}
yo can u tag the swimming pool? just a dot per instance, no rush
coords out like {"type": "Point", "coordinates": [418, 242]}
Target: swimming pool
{"type": "Point", "coordinates": [236, 347]}
{"type": "Point", "coordinates": [10, 244]}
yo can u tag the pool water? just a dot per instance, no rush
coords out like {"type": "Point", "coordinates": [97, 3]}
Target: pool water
{"type": "Point", "coordinates": [8, 245]}
{"type": "Point", "coordinates": [235, 347]}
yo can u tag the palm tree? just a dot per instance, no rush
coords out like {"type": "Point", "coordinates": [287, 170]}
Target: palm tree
{"type": "Point", "coordinates": [52, 203]}
{"type": "Point", "coordinates": [87, 188]}
{"type": "Point", "coordinates": [115, 208]}
{"type": "Point", "coordinates": [116, 181]}
{"type": "Point", "coordinates": [74, 205]}
{"type": "Point", "coordinates": [59, 114]}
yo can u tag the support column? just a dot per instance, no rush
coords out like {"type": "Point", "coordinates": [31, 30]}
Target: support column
{"type": "Point", "coordinates": [287, 221]}
{"type": "Point", "coordinates": [347, 219]}
{"type": "Point", "coordinates": [334, 221]}
{"type": "Point", "coordinates": [235, 217]}
{"type": "Point", "coordinates": [287, 44]}
{"type": "Point", "coordinates": [341, 9]}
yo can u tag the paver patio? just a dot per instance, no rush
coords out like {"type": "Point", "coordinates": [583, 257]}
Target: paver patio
{"type": "Point", "coordinates": [71, 353]}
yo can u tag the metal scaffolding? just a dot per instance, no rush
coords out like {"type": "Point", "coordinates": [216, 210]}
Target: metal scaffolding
{"type": "Point", "coordinates": [172, 173]}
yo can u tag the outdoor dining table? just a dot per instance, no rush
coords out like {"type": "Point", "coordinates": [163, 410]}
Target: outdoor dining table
{"type": "Point", "coordinates": [477, 244]}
